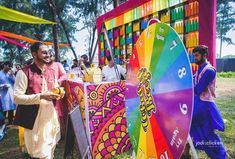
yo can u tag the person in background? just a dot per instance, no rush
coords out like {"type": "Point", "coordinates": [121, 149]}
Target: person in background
{"type": "Point", "coordinates": [7, 80]}
{"type": "Point", "coordinates": [58, 69]}
{"type": "Point", "coordinates": [206, 116]}
{"type": "Point", "coordinates": [75, 63]}
{"type": "Point", "coordinates": [18, 67]}
{"type": "Point", "coordinates": [2, 120]}
{"type": "Point", "coordinates": [109, 73]}
{"type": "Point", "coordinates": [61, 76]}
{"type": "Point", "coordinates": [35, 111]}
{"type": "Point", "coordinates": [86, 61]}
{"type": "Point", "coordinates": [66, 66]}
{"type": "Point", "coordinates": [2, 123]}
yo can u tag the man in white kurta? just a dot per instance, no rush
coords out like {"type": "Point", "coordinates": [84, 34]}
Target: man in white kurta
{"type": "Point", "coordinates": [40, 142]}
{"type": "Point", "coordinates": [109, 73]}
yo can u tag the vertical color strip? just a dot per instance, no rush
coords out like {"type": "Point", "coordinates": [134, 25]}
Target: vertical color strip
{"type": "Point", "coordinates": [149, 34]}
{"type": "Point", "coordinates": [151, 149]}
{"type": "Point", "coordinates": [160, 142]}
{"type": "Point", "coordinates": [142, 145]}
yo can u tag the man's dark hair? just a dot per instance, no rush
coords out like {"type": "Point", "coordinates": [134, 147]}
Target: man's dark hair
{"type": "Point", "coordinates": [201, 49]}
{"type": "Point", "coordinates": [9, 63]}
{"type": "Point", "coordinates": [35, 46]}
{"type": "Point", "coordinates": [75, 60]}
{"type": "Point", "coordinates": [85, 57]}
{"type": "Point", "coordinates": [109, 58]}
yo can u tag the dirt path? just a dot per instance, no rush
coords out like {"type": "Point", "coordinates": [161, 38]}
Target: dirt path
{"type": "Point", "coordinates": [225, 87]}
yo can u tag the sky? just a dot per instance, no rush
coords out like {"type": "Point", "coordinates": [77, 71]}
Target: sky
{"type": "Point", "coordinates": [81, 44]}
{"type": "Point", "coordinates": [81, 37]}
{"type": "Point", "coordinates": [226, 49]}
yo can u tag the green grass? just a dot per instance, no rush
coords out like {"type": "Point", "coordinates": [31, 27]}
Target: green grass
{"type": "Point", "coordinates": [226, 74]}
{"type": "Point", "coordinates": [125, 155]}
{"type": "Point", "coordinates": [9, 146]}
{"type": "Point", "coordinates": [227, 109]}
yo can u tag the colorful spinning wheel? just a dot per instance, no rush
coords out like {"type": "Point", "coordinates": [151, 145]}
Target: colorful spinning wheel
{"type": "Point", "coordinates": [159, 97]}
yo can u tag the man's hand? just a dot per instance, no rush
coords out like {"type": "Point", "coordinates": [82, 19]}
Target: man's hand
{"type": "Point", "coordinates": [49, 96]}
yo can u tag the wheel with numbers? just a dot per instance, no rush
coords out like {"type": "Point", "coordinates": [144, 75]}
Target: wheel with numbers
{"type": "Point", "coordinates": [159, 95]}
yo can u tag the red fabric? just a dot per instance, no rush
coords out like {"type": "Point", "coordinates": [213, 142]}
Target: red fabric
{"type": "Point", "coordinates": [59, 71]}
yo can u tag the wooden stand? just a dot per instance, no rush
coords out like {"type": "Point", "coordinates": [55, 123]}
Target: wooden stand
{"type": "Point", "coordinates": [75, 131]}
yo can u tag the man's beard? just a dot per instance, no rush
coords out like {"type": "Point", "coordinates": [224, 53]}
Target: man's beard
{"type": "Point", "coordinates": [43, 61]}
{"type": "Point", "coordinates": [200, 61]}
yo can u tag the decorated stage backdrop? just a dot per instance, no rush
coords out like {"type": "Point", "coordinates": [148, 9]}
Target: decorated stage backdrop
{"type": "Point", "coordinates": [193, 20]}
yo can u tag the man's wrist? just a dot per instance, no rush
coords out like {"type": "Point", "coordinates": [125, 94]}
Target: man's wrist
{"type": "Point", "coordinates": [41, 96]}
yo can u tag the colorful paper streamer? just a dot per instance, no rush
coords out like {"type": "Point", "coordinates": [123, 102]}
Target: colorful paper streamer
{"type": "Point", "coordinates": [16, 16]}
{"type": "Point", "coordinates": [29, 40]}
{"type": "Point", "coordinates": [13, 42]}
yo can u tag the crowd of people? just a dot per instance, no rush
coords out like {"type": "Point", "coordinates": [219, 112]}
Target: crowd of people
{"type": "Point", "coordinates": [110, 72]}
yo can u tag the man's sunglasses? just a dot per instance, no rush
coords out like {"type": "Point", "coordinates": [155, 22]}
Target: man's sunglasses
{"type": "Point", "coordinates": [47, 52]}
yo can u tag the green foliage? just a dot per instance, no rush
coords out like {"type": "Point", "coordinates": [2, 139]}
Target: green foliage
{"type": "Point", "coordinates": [228, 56]}
{"type": "Point", "coordinates": [225, 21]}
{"type": "Point", "coordinates": [126, 155]}
{"type": "Point", "coordinates": [38, 32]}
{"type": "Point", "coordinates": [226, 74]}
{"type": "Point", "coordinates": [226, 106]}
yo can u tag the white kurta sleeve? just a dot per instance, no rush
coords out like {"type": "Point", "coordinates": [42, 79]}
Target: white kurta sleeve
{"type": "Point", "coordinates": [104, 73]}
{"type": "Point", "coordinates": [20, 87]}
{"type": "Point", "coordinates": [122, 70]}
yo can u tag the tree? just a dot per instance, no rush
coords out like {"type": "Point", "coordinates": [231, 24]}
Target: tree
{"type": "Point", "coordinates": [118, 2]}
{"type": "Point", "coordinates": [52, 8]}
{"type": "Point", "coordinates": [39, 32]}
{"type": "Point", "coordinates": [69, 13]}
{"type": "Point", "coordinates": [225, 21]}
{"type": "Point", "coordinates": [228, 56]}
{"type": "Point", "coordinates": [87, 11]}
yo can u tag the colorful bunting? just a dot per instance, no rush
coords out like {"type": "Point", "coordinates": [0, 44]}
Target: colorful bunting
{"type": "Point", "coordinates": [13, 42]}
{"type": "Point", "coordinates": [29, 40]}
{"type": "Point", "coordinates": [16, 16]}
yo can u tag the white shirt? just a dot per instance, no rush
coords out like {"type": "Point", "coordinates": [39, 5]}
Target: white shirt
{"type": "Point", "coordinates": [110, 74]}
{"type": "Point", "coordinates": [41, 140]}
